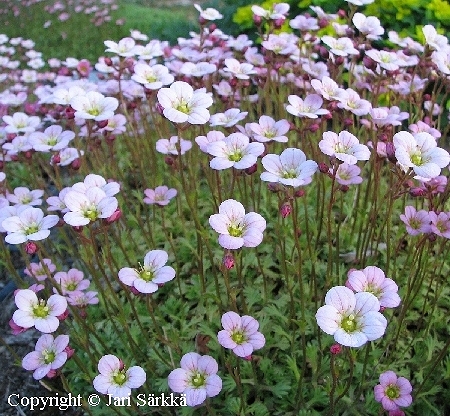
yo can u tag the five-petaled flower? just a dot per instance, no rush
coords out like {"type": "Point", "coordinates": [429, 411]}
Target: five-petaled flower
{"type": "Point", "coordinates": [115, 380]}
{"type": "Point", "coordinates": [182, 104]}
{"type": "Point", "coordinates": [236, 228]}
{"type": "Point", "coordinates": [353, 319]}
{"type": "Point", "coordinates": [196, 378]}
{"type": "Point", "coordinates": [154, 272]}
{"type": "Point", "coordinates": [49, 354]}
{"type": "Point", "coordinates": [240, 334]}
{"type": "Point", "coordinates": [393, 392]}
{"type": "Point", "coordinates": [41, 314]}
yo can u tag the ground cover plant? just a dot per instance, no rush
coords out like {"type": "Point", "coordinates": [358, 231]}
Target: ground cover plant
{"type": "Point", "coordinates": [247, 228]}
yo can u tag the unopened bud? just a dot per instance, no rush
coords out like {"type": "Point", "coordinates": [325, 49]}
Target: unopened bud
{"type": "Point", "coordinates": [115, 216]}
{"type": "Point", "coordinates": [417, 192]}
{"type": "Point", "coordinates": [285, 209]}
{"type": "Point", "coordinates": [76, 164]}
{"type": "Point", "coordinates": [31, 247]}
{"type": "Point", "coordinates": [252, 169]}
{"type": "Point", "coordinates": [323, 167]}
{"type": "Point", "coordinates": [102, 124]}
{"type": "Point", "coordinates": [335, 349]}
{"type": "Point", "coordinates": [228, 261]}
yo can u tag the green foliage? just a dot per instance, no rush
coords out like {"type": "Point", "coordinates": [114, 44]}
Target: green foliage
{"type": "Point", "coordinates": [63, 39]}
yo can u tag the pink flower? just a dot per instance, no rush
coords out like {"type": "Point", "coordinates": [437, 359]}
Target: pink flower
{"type": "Point", "coordinates": [49, 354]}
{"type": "Point", "coordinates": [393, 392]}
{"type": "Point", "coordinates": [71, 281]}
{"type": "Point", "coordinates": [82, 299]}
{"type": "Point", "coordinates": [161, 195]}
{"type": "Point", "coordinates": [348, 174]}
{"type": "Point", "coordinates": [211, 136]}
{"type": "Point", "coordinates": [440, 223]}
{"type": "Point", "coordinates": [240, 334]}
{"type": "Point", "coordinates": [40, 270]}
{"type": "Point", "coordinates": [417, 222]}
{"type": "Point", "coordinates": [115, 380]}
{"type": "Point", "coordinates": [153, 273]}
{"type": "Point", "coordinates": [268, 129]}
{"type": "Point", "coordinates": [37, 312]}
{"type": "Point", "coordinates": [182, 104]}
{"type": "Point", "coordinates": [372, 280]}
{"type": "Point", "coordinates": [310, 107]}
{"type": "Point", "coordinates": [169, 146]}
{"type": "Point", "coordinates": [236, 228]}
{"type": "Point", "coordinates": [345, 147]}
{"type": "Point", "coordinates": [196, 378]}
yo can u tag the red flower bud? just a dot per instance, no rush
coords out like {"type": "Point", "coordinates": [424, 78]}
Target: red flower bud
{"type": "Point", "coordinates": [335, 349]}
{"type": "Point", "coordinates": [31, 247]}
{"type": "Point", "coordinates": [228, 261]}
{"type": "Point", "coordinates": [285, 209]}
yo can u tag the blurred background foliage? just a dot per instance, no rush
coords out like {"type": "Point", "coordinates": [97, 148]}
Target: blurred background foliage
{"type": "Point", "coordinates": [169, 19]}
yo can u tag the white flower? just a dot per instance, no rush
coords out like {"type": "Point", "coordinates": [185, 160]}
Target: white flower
{"type": "Point", "coordinates": [29, 224]}
{"type": "Point", "coordinates": [234, 151]}
{"type": "Point", "coordinates": [209, 13]}
{"type": "Point", "coordinates": [239, 70]}
{"type": "Point", "coordinates": [353, 319]}
{"type": "Point", "coordinates": [369, 26]}
{"type": "Point", "coordinates": [433, 39]}
{"type": "Point", "coordinates": [152, 77]}
{"type": "Point", "coordinates": [341, 46]}
{"type": "Point", "coordinates": [87, 207]}
{"type": "Point", "coordinates": [182, 104]}
{"type": "Point", "coordinates": [289, 168]}
{"type": "Point", "coordinates": [126, 47]}
{"type": "Point", "coordinates": [420, 152]}
{"type": "Point", "coordinates": [21, 123]}
{"type": "Point", "coordinates": [94, 106]}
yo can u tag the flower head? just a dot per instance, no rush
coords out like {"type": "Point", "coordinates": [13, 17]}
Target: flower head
{"type": "Point", "coordinates": [289, 168]}
{"type": "Point", "coordinates": [345, 147]}
{"type": "Point", "coordinates": [49, 354]}
{"type": "Point", "coordinates": [268, 129]}
{"type": "Point", "coordinates": [234, 151]}
{"type": "Point", "coordinates": [372, 280]}
{"type": "Point", "coordinates": [420, 153]}
{"type": "Point", "coordinates": [29, 224]}
{"type": "Point", "coordinates": [393, 392]}
{"type": "Point", "coordinates": [196, 378]}
{"type": "Point", "coordinates": [37, 312]}
{"type": "Point", "coordinates": [417, 222]}
{"type": "Point", "coordinates": [182, 104]}
{"type": "Point", "coordinates": [353, 319]}
{"type": "Point", "coordinates": [240, 334]}
{"type": "Point", "coordinates": [236, 228]}
{"type": "Point", "coordinates": [310, 107]}
{"type": "Point", "coordinates": [115, 380]}
{"type": "Point", "coordinates": [161, 195]}
{"type": "Point", "coordinates": [94, 106]}
{"type": "Point", "coordinates": [150, 275]}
